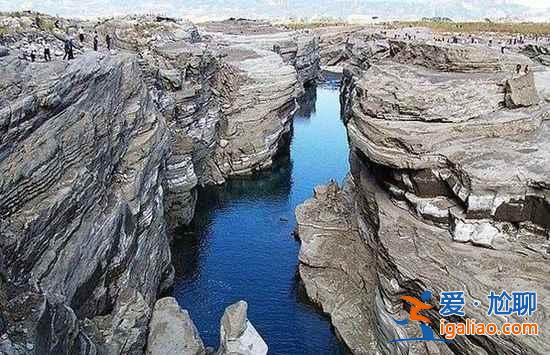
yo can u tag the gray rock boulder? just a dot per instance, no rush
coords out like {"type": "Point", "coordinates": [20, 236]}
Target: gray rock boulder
{"type": "Point", "coordinates": [4, 51]}
{"type": "Point", "coordinates": [538, 52]}
{"type": "Point", "coordinates": [237, 335]}
{"type": "Point", "coordinates": [172, 332]}
{"type": "Point", "coordinates": [521, 91]}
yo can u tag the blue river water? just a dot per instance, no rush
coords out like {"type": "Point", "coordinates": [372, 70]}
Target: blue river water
{"type": "Point", "coordinates": [240, 244]}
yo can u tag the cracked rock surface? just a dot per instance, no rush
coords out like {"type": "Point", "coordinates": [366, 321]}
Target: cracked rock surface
{"type": "Point", "coordinates": [448, 190]}
{"type": "Point", "coordinates": [100, 158]}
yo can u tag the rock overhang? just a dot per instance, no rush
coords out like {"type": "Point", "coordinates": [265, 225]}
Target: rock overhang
{"type": "Point", "coordinates": [417, 117]}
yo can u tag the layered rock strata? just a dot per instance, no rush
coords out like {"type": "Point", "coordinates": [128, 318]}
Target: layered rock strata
{"type": "Point", "coordinates": [299, 49]}
{"type": "Point", "coordinates": [81, 189]}
{"type": "Point", "coordinates": [448, 190]}
{"type": "Point", "coordinates": [540, 53]}
{"type": "Point", "coordinates": [100, 155]}
{"type": "Point", "coordinates": [334, 266]}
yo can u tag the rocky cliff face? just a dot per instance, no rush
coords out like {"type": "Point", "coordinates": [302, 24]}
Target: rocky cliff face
{"type": "Point", "coordinates": [256, 109]}
{"type": "Point", "coordinates": [448, 191]}
{"type": "Point", "coordinates": [81, 190]}
{"type": "Point", "coordinates": [299, 49]}
{"type": "Point", "coordinates": [258, 113]}
{"type": "Point", "coordinates": [101, 155]}
{"type": "Point", "coordinates": [335, 42]}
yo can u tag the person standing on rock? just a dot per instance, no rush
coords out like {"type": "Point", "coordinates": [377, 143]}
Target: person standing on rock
{"type": "Point", "coordinates": [518, 68]}
{"type": "Point", "coordinates": [47, 54]}
{"type": "Point", "coordinates": [81, 36]}
{"type": "Point", "coordinates": [96, 41]}
{"type": "Point", "coordinates": [71, 49]}
{"type": "Point", "coordinates": [108, 41]}
{"type": "Point", "coordinates": [33, 56]}
{"type": "Point", "coordinates": [68, 50]}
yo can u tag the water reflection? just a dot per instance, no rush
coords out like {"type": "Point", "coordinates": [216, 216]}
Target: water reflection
{"type": "Point", "coordinates": [240, 243]}
{"type": "Point", "coordinates": [307, 103]}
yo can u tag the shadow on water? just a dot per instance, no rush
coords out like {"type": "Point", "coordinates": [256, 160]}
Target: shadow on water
{"type": "Point", "coordinates": [240, 244]}
{"type": "Point", "coordinates": [273, 185]}
{"type": "Point", "coordinates": [306, 103]}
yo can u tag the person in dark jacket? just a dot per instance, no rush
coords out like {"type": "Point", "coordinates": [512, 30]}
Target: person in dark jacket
{"type": "Point", "coordinates": [47, 54]}
{"type": "Point", "coordinates": [66, 49]}
{"type": "Point", "coordinates": [71, 49]}
{"type": "Point", "coordinates": [69, 54]}
{"type": "Point", "coordinates": [108, 41]}
{"type": "Point", "coordinates": [96, 41]}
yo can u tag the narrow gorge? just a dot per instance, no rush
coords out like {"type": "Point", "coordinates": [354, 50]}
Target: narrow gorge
{"type": "Point", "coordinates": [101, 158]}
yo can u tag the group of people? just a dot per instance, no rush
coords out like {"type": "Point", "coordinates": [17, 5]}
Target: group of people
{"type": "Point", "coordinates": [471, 39]}
{"type": "Point", "coordinates": [525, 70]}
{"type": "Point", "coordinates": [69, 47]}
{"type": "Point", "coordinates": [47, 53]}
{"type": "Point", "coordinates": [455, 39]}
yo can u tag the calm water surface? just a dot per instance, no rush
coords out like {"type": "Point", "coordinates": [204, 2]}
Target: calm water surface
{"type": "Point", "coordinates": [240, 245]}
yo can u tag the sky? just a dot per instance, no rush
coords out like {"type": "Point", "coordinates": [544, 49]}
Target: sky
{"type": "Point", "coordinates": [538, 4]}
{"type": "Point", "coordinates": [216, 9]}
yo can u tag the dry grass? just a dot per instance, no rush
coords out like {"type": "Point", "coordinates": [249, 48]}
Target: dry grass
{"type": "Point", "coordinates": [526, 28]}
{"type": "Point", "coordinates": [299, 25]}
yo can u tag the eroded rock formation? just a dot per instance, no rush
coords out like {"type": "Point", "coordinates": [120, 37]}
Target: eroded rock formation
{"type": "Point", "coordinates": [237, 335]}
{"type": "Point", "coordinates": [101, 155]}
{"type": "Point", "coordinates": [537, 52]}
{"type": "Point", "coordinates": [81, 188]}
{"type": "Point", "coordinates": [448, 190]}
{"type": "Point", "coordinates": [173, 332]}
{"type": "Point", "coordinates": [335, 267]}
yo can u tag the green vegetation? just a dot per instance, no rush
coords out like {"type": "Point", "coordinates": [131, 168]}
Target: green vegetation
{"type": "Point", "coordinates": [527, 28]}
